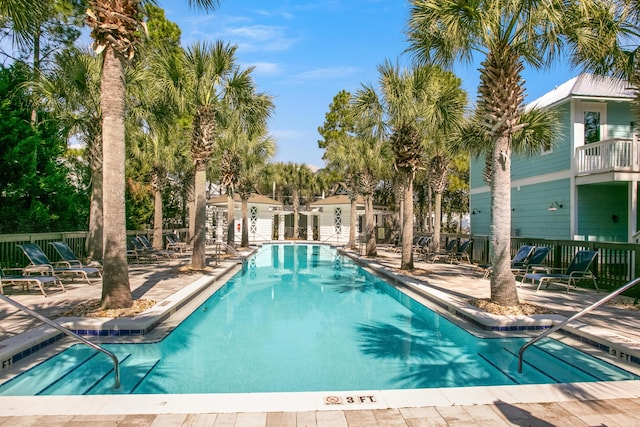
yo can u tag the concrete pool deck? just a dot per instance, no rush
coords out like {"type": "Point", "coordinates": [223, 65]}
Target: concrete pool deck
{"type": "Point", "coordinates": [611, 404]}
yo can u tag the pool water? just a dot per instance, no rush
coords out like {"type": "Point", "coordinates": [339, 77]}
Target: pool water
{"type": "Point", "coordinates": [304, 318]}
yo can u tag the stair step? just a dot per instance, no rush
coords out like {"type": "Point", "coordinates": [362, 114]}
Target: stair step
{"type": "Point", "coordinates": [83, 378]}
{"type": "Point", "coordinates": [132, 372]}
{"type": "Point", "coordinates": [34, 380]}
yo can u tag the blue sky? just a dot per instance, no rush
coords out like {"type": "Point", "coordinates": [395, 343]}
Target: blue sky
{"type": "Point", "coordinates": [306, 51]}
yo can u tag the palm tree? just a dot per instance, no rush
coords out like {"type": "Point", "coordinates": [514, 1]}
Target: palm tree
{"type": "Point", "coordinates": [115, 27]}
{"type": "Point", "coordinates": [72, 91]}
{"type": "Point", "coordinates": [241, 135]}
{"type": "Point", "coordinates": [253, 160]}
{"type": "Point", "coordinates": [406, 107]}
{"type": "Point", "coordinates": [374, 155]}
{"type": "Point", "coordinates": [509, 35]}
{"type": "Point", "coordinates": [450, 100]}
{"type": "Point", "coordinates": [297, 178]}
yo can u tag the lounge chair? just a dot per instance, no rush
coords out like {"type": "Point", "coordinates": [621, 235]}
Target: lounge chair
{"type": "Point", "coordinates": [536, 260]}
{"type": "Point", "coordinates": [518, 261]}
{"type": "Point", "coordinates": [137, 250]}
{"type": "Point", "coordinates": [149, 247]}
{"type": "Point", "coordinates": [40, 263]}
{"type": "Point", "coordinates": [446, 253]}
{"type": "Point", "coordinates": [25, 280]}
{"type": "Point", "coordinates": [69, 258]}
{"type": "Point", "coordinates": [462, 253]}
{"type": "Point", "coordinates": [577, 270]}
{"type": "Point", "coordinates": [174, 243]}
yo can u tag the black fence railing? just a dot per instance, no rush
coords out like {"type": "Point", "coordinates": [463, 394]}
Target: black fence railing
{"type": "Point", "coordinates": [617, 263]}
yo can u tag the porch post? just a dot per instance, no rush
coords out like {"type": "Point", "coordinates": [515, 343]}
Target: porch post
{"type": "Point", "coordinates": [632, 210]}
{"type": "Point", "coordinates": [281, 226]}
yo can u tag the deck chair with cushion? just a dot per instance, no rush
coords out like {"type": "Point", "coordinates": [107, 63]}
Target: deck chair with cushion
{"type": "Point", "coordinates": [518, 261]}
{"type": "Point", "coordinates": [40, 263]}
{"type": "Point", "coordinates": [577, 270]}
{"type": "Point", "coordinates": [25, 280]}
{"type": "Point", "coordinates": [69, 258]}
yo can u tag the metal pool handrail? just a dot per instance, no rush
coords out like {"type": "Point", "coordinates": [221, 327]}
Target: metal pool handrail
{"type": "Point", "coordinates": [574, 317]}
{"type": "Point", "coordinates": [116, 363]}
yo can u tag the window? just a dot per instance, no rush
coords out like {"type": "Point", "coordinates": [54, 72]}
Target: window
{"type": "Point", "coordinates": [591, 126]}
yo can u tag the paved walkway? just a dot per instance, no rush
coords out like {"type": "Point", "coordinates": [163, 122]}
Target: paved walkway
{"type": "Point", "coordinates": [618, 406]}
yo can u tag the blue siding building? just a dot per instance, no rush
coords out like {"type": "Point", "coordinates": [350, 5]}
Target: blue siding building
{"type": "Point", "coordinates": [586, 185]}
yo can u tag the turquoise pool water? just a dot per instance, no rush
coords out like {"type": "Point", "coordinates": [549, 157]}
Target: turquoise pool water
{"type": "Point", "coordinates": [304, 318]}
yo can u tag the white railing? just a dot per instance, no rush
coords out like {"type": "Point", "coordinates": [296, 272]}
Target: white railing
{"type": "Point", "coordinates": [616, 154]}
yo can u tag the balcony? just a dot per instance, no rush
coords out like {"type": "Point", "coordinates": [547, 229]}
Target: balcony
{"type": "Point", "coordinates": [614, 157]}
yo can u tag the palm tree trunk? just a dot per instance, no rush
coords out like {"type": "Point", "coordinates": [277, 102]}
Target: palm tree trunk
{"type": "Point", "coordinates": [503, 285]}
{"type": "Point", "coordinates": [369, 227]}
{"type": "Point", "coordinates": [407, 224]}
{"type": "Point", "coordinates": [353, 218]}
{"type": "Point", "coordinates": [198, 257]}
{"type": "Point", "coordinates": [437, 223]}
{"type": "Point", "coordinates": [296, 210]}
{"type": "Point", "coordinates": [157, 218]}
{"type": "Point", "coordinates": [94, 241]}
{"type": "Point", "coordinates": [116, 290]}
{"type": "Point", "coordinates": [192, 216]}
{"type": "Point", "coordinates": [231, 219]}
{"type": "Point", "coordinates": [245, 224]}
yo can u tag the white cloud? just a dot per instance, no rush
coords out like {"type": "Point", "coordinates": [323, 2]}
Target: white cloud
{"type": "Point", "coordinates": [266, 68]}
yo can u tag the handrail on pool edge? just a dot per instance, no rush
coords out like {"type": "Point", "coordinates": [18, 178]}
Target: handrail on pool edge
{"type": "Point", "coordinates": [116, 363]}
{"type": "Point", "coordinates": [574, 317]}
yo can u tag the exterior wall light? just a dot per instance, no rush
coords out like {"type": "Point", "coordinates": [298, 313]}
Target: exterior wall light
{"type": "Point", "coordinates": [554, 206]}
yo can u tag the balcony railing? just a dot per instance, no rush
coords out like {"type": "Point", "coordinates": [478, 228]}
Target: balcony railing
{"type": "Point", "coordinates": [609, 155]}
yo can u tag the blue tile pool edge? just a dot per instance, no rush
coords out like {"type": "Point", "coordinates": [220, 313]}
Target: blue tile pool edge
{"type": "Point", "coordinates": [18, 347]}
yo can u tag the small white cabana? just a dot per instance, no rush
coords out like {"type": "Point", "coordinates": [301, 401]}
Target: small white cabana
{"type": "Point", "coordinates": [260, 214]}
{"type": "Point", "coordinates": [333, 217]}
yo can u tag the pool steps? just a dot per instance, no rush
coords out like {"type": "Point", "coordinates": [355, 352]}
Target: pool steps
{"type": "Point", "coordinates": [84, 371]}
{"type": "Point", "coordinates": [79, 371]}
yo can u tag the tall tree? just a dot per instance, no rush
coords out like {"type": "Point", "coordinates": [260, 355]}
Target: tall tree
{"type": "Point", "coordinates": [72, 92]}
{"type": "Point", "coordinates": [297, 178]}
{"type": "Point", "coordinates": [508, 35]}
{"type": "Point", "coordinates": [39, 190]}
{"type": "Point", "coordinates": [115, 27]}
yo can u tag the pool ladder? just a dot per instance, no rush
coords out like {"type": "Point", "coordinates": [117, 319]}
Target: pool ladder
{"type": "Point", "coordinates": [116, 363]}
{"type": "Point", "coordinates": [572, 318]}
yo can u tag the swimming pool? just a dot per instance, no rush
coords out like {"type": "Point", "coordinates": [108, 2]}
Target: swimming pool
{"type": "Point", "coordinates": [304, 318]}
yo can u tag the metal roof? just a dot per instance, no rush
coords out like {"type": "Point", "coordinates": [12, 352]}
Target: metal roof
{"type": "Point", "coordinates": [586, 86]}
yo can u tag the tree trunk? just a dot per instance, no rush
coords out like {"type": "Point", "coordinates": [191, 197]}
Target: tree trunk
{"type": "Point", "coordinates": [231, 220]}
{"type": "Point", "coordinates": [407, 223]}
{"type": "Point", "coordinates": [192, 216]}
{"type": "Point", "coordinates": [245, 224]}
{"type": "Point", "coordinates": [437, 223]}
{"type": "Point", "coordinates": [157, 218]}
{"type": "Point", "coordinates": [369, 227]}
{"type": "Point", "coordinates": [93, 245]}
{"type": "Point", "coordinates": [353, 218]}
{"type": "Point", "coordinates": [198, 256]}
{"type": "Point", "coordinates": [503, 284]}
{"type": "Point", "coordinates": [116, 290]}
{"type": "Point", "coordinates": [296, 210]}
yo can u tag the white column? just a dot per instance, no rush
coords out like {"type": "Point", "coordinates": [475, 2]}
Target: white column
{"type": "Point", "coordinates": [632, 210]}
{"type": "Point", "coordinates": [281, 227]}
